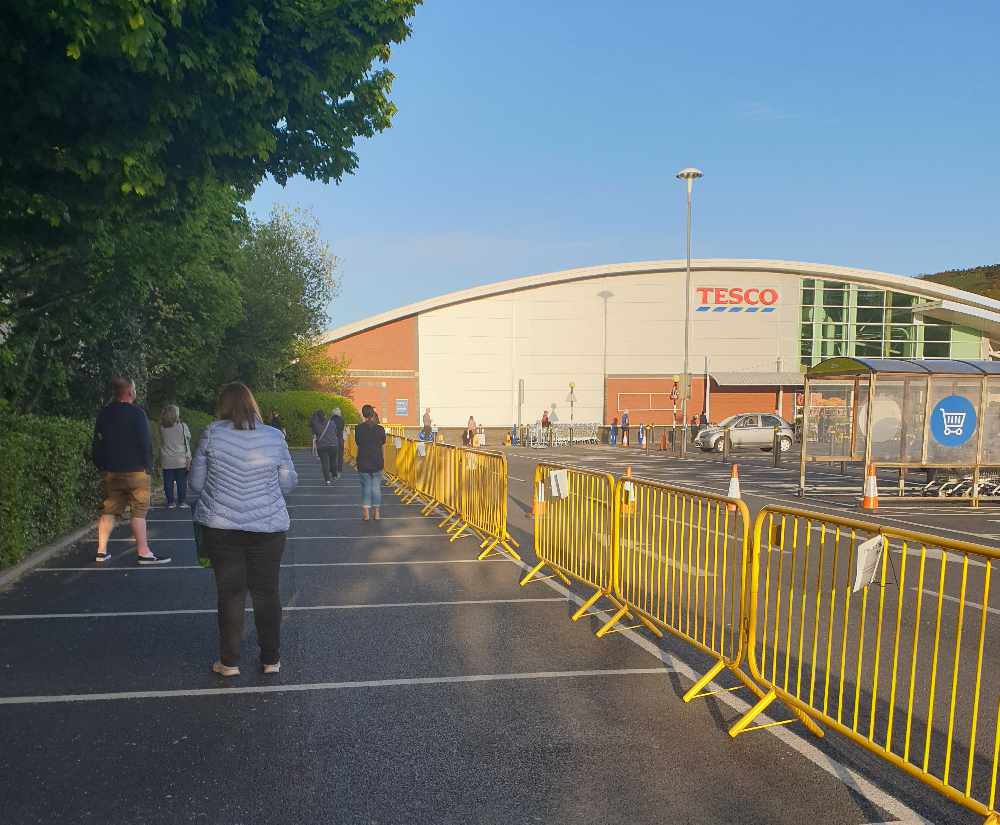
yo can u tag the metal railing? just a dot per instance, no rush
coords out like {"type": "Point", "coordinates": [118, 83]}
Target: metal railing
{"type": "Point", "coordinates": [864, 628]}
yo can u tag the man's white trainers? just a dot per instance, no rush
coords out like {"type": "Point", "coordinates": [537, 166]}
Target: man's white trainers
{"type": "Point", "coordinates": [272, 668]}
{"type": "Point", "coordinates": [225, 670]}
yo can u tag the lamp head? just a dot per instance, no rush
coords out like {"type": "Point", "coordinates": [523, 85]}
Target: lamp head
{"type": "Point", "coordinates": [690, 174]}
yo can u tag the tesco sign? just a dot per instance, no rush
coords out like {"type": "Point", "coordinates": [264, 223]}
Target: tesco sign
{"type": "Point", "coordinates": [735, 299]}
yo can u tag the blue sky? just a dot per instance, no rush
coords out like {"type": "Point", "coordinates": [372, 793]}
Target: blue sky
{"type": "Point", "coordinates": [536, 136]}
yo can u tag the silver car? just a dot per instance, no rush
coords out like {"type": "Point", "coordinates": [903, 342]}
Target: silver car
{"type": "Point", "coordinates": [747, 430]}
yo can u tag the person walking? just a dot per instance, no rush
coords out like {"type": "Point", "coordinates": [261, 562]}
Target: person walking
{"type": "Point", "coordinates": [123, 452]}
{"type": "Point", "coordinates": [338, 425]}
{"type": "Point", "coordinates": [427, 431]}
{"type": "Point", "coordinates": [469, 436]}
{"type": "Point", "coordinates": [325, 446]}
{"type": "Point", "coordinates": [624, 441]}
{"type": "Point", "coordinates": [175, 455]}
{"type": "Point", "coordinates": [613, 435]}
{"type": "Point", "coordinates": [370, 438]}
{"type": "Point", "coordinates": [276, 422]}
{"type": "Point", "coordinates": [241, 472]}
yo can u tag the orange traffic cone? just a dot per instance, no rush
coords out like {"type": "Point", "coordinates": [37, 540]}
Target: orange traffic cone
{"type": "Point", "coordinates": [734, 487]}
{"type": "Point", "coordinates": [870, 499]}
{"type": "Point", "coordinates": [538, 505]}
{"type": "Point", "coordinates": [628, 492]}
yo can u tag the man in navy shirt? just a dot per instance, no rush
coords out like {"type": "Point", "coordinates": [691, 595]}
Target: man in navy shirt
{"type": "Point", "coordinates": [124, 455]}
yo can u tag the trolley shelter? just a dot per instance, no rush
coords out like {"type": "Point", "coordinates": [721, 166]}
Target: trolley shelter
{"type": "Point", "coordinates": [939, 416]}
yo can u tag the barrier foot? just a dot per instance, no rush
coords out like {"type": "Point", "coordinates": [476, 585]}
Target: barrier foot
{"type": "Point", "coordinates": [587, 605]}
{"type": "Point", "coordinates": [459, 532]}
{"type": "Point", "coordinates": [488, 549]}
{"type": "Point", "coordinates": [517, 556]}
{"type": "Point", "coordinates": [531, 574]}
{"type": "Point", "coordinates": [696, 689]}
{"type": "Point", "coordinates": [512, 541]}
{"type": "Point", "coordinates": [743, 722]}
{"type": "Point", "coordinates": [606, 628]}
{"type": "Point", "coordinates": [446, 519]}
{"type": "Point", "coordinates": [992, 819]}
{"type": "Point", "coordinates": [652, 628]}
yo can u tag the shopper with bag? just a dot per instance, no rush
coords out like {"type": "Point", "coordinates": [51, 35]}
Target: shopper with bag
{"type": "Point", "coordinates": [370, 438]}
{"type": "Point", "coordinates": [242, 471]}
{"type": "Point", "coordinates": [326, 445]}
{"type": "Point", "coordinates": [175, 456]}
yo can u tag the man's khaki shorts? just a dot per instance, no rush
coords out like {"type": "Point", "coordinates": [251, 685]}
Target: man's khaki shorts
{"type": "Point", "coordinates": [121, 489]}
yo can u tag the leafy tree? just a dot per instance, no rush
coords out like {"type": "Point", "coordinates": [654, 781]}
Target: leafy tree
{"type": "Point", "coordinates": [313, 368]}
{"type": "Point", "coordinates": [286, 276]}
{"type": "Point", "coordinates": [119, 101]}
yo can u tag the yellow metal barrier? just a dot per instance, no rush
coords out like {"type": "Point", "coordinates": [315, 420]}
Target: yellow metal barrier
{"type": "Point", "coordinates": [350, 445]}
{"type": "Point", "coordinates": [882, 635]}
{"type": "Point", "coordinates": [574, 530]}
{"type": "Point", "coordinates": [395, 430]}
{"type": "Point", "coordinates": [681, 565]}
{"type": "Point", "coordinates": [470, 486]}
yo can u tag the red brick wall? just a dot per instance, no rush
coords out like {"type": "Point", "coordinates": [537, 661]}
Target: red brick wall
{"type": "Point", "coordinates": [391, 347]}
{"type": "Point", "coordinates": [647, 399]}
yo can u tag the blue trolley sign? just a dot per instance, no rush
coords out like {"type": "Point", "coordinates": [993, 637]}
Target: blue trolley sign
{"type": "Point", "coordinates": [953, 421]}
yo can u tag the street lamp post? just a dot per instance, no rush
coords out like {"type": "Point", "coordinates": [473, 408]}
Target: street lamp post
{"type": "Point", "coordinates": [690, 175]}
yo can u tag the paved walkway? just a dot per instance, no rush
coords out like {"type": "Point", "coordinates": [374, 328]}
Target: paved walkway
{"type": "Point", "coordinates": [417, 685]}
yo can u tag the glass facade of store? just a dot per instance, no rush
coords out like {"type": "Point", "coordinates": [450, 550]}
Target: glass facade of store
{"type": "Point", "coordinates": [841, 319]}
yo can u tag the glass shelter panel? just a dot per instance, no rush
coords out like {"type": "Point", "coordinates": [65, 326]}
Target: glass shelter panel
{"type": "Point", "coordinates": [991, 422]}
{"type": "Point", "coordinates": [953, 425]}
{"type": "Point", "coordinates": [828, 431]}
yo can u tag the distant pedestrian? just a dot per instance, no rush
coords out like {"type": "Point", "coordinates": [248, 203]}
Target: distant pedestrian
{"type": "Point", "coordinates": [545, 418]}
{"type": "Point", "coordinates": [242, 472]}
{"type": "Point", "coordinates": [694, 427]}
{"type": "Point", "coordinates": [613, 435]}
{"type": "Point", "coordinates": [276, 422]}
{"type": "Point", "coordinates": [175, 456]}
{"type": "Point", "coordinates": [469, 436]}
{"type": "Point", "coordinates": [338, 426]}
{"type": "Point", "coordinates": [427, 431]}
{"type": "Point", "coordinates": [317, 423]}
{"type": "Point", "coordinates": [702, 421]}
{"type": "Point", "coordinates": [326, 446]}
{"type": "Point", "coordinates": [123, 452]}
{"type": "Point", "coordinates": [370, 438]}
{"type": "Point", "coordinates": [624, 428]}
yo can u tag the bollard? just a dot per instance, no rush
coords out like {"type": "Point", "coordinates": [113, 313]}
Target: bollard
{"type": "Point", "coordinates": [776, 446]}
{"type": "Point", "coordinates": [727, 444]}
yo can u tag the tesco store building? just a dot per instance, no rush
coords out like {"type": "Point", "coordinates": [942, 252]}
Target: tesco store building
{"type": "Point", "coordinates": [507, 351]}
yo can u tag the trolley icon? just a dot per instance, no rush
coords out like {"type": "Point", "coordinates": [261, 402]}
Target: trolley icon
{"type": "Point", "coordinates": [954, 422]}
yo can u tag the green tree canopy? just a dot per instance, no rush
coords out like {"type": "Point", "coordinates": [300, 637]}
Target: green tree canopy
{"type": "Point", "coordinates": [119, 100]}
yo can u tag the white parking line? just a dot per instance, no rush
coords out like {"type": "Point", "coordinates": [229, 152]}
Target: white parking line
{"type": "Point", "coordinates": [166, 568]}
{"type": "Point", "coordinates": [11, 617]}
{"type": "Point", "coordinates": [382, 536]}
{"type": "Point", "coordinates": [315, 686]}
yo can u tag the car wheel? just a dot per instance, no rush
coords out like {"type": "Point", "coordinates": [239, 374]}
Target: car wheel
{"type": "Point", "coordinates": [786, 444]}
{"type": "Point", "coordinates": [717, 445]}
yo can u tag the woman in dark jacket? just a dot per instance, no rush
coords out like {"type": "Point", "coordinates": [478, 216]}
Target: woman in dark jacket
{"type": "Point", "coordinates": [369, 435]}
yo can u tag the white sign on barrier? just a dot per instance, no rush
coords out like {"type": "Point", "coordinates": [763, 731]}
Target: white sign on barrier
{"type": "Point", "coordinates": [868, 558]}
{"type": "Point", "coordinates": [559, 481]}
{"type": "Point", "coordinates": [399, 443]}
{"type": "Point", "coordinates": [421, 449]}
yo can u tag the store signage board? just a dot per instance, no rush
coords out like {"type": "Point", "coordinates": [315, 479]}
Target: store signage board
{"type": "Point", "coordinates": [735, 299]}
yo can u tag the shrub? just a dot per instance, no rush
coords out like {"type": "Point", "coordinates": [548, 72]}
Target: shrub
{"type": "Point", "coordinates": [296, 407]}
{"type": "Point", "coordinates": [47, 483]}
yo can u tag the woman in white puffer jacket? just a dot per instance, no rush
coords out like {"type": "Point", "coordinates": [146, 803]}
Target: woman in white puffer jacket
{"type": "Point", "coordinates": [241, 473]}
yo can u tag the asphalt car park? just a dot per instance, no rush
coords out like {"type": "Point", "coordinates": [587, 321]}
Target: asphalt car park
{"type": "Point", "coordinates": [418, 685]}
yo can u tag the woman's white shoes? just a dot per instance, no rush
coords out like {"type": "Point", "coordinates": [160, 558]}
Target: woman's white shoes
{"type": "Point", "coordinates": [272, 668]}
{"type": "Point", "coordinates": [225, 670]}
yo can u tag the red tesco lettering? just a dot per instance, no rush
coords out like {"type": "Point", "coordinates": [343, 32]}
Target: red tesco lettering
{"type": "Point", "coordinates": [737, 295]}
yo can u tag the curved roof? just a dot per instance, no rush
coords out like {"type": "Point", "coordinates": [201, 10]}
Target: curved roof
{"type": "Point", "coordinates": [833, 367]}
{"type": "Point", "coordinates": [900, 283]}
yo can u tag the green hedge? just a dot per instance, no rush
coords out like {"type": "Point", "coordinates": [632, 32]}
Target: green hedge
{"type": "Point", "coordinates": [297, 406]}
{"type": "Point", "coordinates": [48, 485]}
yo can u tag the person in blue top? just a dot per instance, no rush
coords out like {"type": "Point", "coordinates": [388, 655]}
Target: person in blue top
{"type": "Point", "coordinates": [624, 428]}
